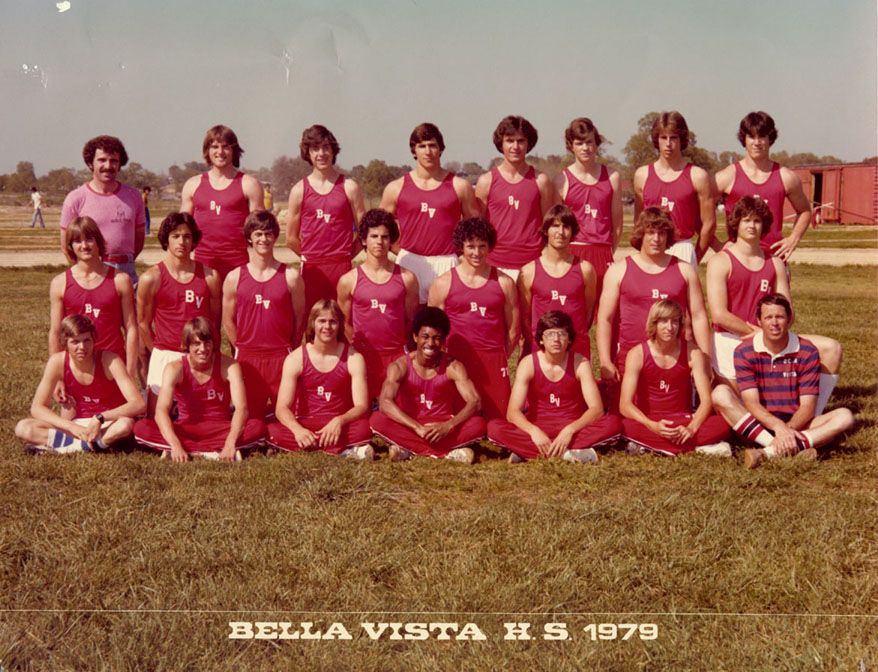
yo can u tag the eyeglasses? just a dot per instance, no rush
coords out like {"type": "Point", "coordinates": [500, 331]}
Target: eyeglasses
{"type": "Point", "coordinates": [560, 334]}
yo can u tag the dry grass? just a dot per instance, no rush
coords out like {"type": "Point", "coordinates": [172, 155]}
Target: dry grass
{"type": "Point", "coordinates": [117, 562]}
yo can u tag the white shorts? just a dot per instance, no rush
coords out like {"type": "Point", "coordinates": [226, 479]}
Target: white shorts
{"type": "Point", "coordinates": [511, 272]}
{"type": "Point", "coordinates": [685, 251]}
{"type": "Point", "coordinates": [157, 361]}
{"type": "Point", "coordinates": [723, 353]}
{"type": "Point", "coordinates": [84, 422]}
{"type": "Point", "coordinates": [426, 269]}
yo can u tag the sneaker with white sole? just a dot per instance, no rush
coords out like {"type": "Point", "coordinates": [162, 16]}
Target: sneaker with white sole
{"type": "Point", "coordinates": [465, 455]}
{"type": "Point", "coordinates": [632, 449]}
{"type": "Point", "coordinates": [807, 455]}
{"type": "Point", "coordinates": [583, 455]}
{"type": "Point", "coordinates": [364, 452]}
{"type": "Point", "coordinates": [752, 457]}
{"type": "Point", "coordinates": [398, 453]}
{"type": "Point", "coordinates": [721, 449]}
{"type": "Point", "coordinates": [515, 458]}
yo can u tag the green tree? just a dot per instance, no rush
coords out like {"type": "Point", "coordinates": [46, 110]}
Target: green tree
{"type": "Point", "coordinates": [285, 172]}
{"type": "Point", "coordinates": [23, 178]}
{"type": "Point", "coordinates": [139, 177]}
{"type": "Point", "coordinates": [374, 177]}
{"type": "Point", "coordinates": [728, 158]}
{"type": "Point", "coordinates": [639, 150]}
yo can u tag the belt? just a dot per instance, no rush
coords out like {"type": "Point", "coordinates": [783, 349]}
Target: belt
{"type": "Point", "coordinates": [118, 258]}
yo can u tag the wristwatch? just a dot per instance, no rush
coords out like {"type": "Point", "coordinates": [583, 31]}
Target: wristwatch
{"type": "Point", "coordinates": [100, 417]}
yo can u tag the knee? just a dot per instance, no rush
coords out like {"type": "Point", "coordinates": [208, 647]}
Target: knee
{"type": "Point", "coordinates": [23, 430]}
{"type": "Point", "coordinates": [122, 428]}
{"type": "Point", "coordinates": [722, 397]}
{"type": "Point", "coordinates": [830, 355]}
{"type": "Point", "coordinates": [844, 419]}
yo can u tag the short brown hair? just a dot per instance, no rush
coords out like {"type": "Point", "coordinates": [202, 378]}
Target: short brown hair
{"type": "Point", "coordinates": [75, 325]}
{"type": "Point", "coordinates": [314, 136]}
{"type": "Point", "coordinates": [662, 310]}
{"type": "Point", "coordinates": [424, 132]}
{"type": "Point", "coordinates": [560, 214]}
{"type": "Point", "coordinates": [316, 309]}
{"type": "Point", "coordinates": [670, 122]}
{"type": "Point", "coordinates": [652, 218]}
{"type": "Point", "coordinates": [511, 125]}
{"type": "Point", "coordinates": [260, 220]}
{"type": "Point", "coordinates": [749, 206]}
{"type": "Point", "coordinates": [198, 328]}
{"type": "Point", "coordinates": [579, 129]}
{"type": "Point", "coordinates": [223, 134]}
{"type": "Point", "coordinates": [551, 320]}
{"type": "Point", "coordinates": [83, 228]}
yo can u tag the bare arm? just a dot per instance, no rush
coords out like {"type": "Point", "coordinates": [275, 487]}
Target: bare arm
{"type": "Point", "coordinates": [171, 377]}
{"type": "Point", "coordinates": [294, 222]}
{"type": "Point", "coordinates": [253, 191]}
{"type": "Point", "coordinates": [785, 247]}
{"type": "Point", "coordinates": [147, 286]}
{"type": "Point", "coordinates": [560, 185]}
{"type": "Point", "coordinates": [412, 295]}
{"type": "Point", "coordinates": [358, 208]}
{"type": "Point", "coordinates": [517, 398]}
{"type": "Point", "coordinates": [439, 290]}
{"type": "Point", "coordinates": [297, 297]}
{"type": "Point", "coordinates": [697, 311]}
{"type": "Point", "coordinates": [331, 431]}
{"type": "Point", "coordinates": [718, 269]}
{"type": "Point", "coordinates": [40, 408]}
{"type": "Point", "coordinates": [215, 286]}
{"type": "Point", "coordinates": [286, 395]}
{"type": "Point", "coordinates": [390, 197]}
{"type": "Point", "coordinates": [699, 364]}
{"type": "Point", "coordinates": [607, 308]}
{"type": "Point", "coordinates": [186, 204]}
{"type": "Point", "coordinates": [639, 180]}
{"type": "Point", "coordinates": [594, 406]}
{"type": "Point", "coordinates": [467, 197]}
{"type": "Point", "coordinates": [56, 310]}
{"type": "Point", "coordinates": [525, 297]}
{"type": "Point", "coordinates": [704, 189]}
{"type": "Point", "coordinates": [345, 293]}
{"type": "Point", "coordinates": [232, 373]}
{"type": "Point", "coordinates": [116, 370]}
{"type": "Point", "coordinates": [483, 188]}
{"type": "Point", "coordinates": [589, 281]}
{"type": "Point", "coordinates": [230, 305]}
{"type": "Point", "coordinates": [627, 407]}
{"type": "Point", "coordinates": [125, 290]}
{"type": "Point", "coordinates": [511, 313]}
{"type": "Point", "coordinates": [616, 208]}
{"type": "Point", "coordinates": [548, 195]}
{"type": "Point", "coordinates": [396, 374]}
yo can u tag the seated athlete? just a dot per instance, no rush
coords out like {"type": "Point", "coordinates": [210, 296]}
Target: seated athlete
{"type": "Point", "coordinates": [378, 299]}
{"type": "Point", "coordinates": [565, 416]}
{"type": "Point", "coordinates": [94, 289]}
{"type": "Point", "coordinates": [418, 408]}
{"type": "Point", "coordinates": [103, 396]}
{"type": "Point", "coordinates": [205, 384]}
{"type": "Point", "coordinates": [263, 308]}
{"type": "Point", "coordinates": [737, 278]}
{"type": "Point", "coordinates": [322, 403]}
{"type": "Point", "coordinates": [656, 397]}
{"type": "Point", "coordinates": [169, 294]}
{"type": "Point", "coordinates": [778, 374]}
{"type": "Point", "coordinates": [482, 304]}
{"type": "Point", "coordinates": [558, 280]}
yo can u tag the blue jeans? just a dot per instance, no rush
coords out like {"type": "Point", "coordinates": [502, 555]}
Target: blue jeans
{"type": "Point", "coordinates": [37, 213]}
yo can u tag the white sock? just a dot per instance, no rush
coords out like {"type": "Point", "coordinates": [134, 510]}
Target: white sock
{"type": "Point", "coordinates": [769, 451]}
{"type": "Point", "coordinates": [827, 385]}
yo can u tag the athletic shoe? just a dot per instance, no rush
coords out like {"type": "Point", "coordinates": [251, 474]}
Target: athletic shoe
{"type": "Point", "coordinates": [515, 458]}
{"type": "Point", "coordinates": [807, 455]}
{"type": "Point", "coordinates": [465, 455]}
{"type": "Point", "coordinates": [752, 457]}
{"type": "Point", "coordinates": [584, 455]}
{"type": "Point", "coordinates": [364, 452]}
{"type": "Point", "coordinates": [721, 449]}
{"type": "Point", "coordinates": [33, 449]}
{"type": "Point", "coordinates": [214, 455]}
{"type": "Point", "coordinates": [632, 449]}
{"type": "Point", "coordinates": [398, 453]}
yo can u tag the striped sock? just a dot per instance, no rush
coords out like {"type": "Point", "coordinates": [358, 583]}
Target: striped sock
{"type": "Point", "coordinates": [806, 443]}
{"type": "Point", "coordinates": [749, 428]}
{"type": "Point", "coordinates": [64, 443]}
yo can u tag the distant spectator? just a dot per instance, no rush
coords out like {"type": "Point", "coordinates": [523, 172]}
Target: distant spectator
{"type": "Point", "coordinates": [146, 192]}
{"type": "Point", "coordinates": [37, 198]}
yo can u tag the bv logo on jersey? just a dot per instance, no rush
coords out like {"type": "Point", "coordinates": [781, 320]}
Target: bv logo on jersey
{"type": "Point", "coordinates": [504, 372]}
{"type": "Point", "coordinates": [656, 294]}
{"type": "Point", "coordinates": [321, 392]}
{"type": "Point", "coordinates": [476, 308]}
{"type": "Point", "coordinates": [264, 302]}
{"type": "Point", "coordinates": [425, 207]}
{"type": "Point", "coordinates": [664, 387]}
{"type": "Point", "coordinates": [427, 402]}
{"type": "Point", "coordinates": [91, 400]}
{"type": "Point", "coordinates": [591, 211]}
{"type": "Point", "coordinates": [323, 215]}
{"type": "Point", "coordinates": [213, 394]}
{"type": "Point", "coordinates": [558, 297]}
{"type": "Point", "coordinates": [667, 204]}
{"type": "Point", "coordinates": [513, 202]}
{"type": "Point", "coordinates": [215, 207]}
{"type": "Point", "coordinates": [380, 306]}
{"type": "Point", "coordinates": [191, 298]}
{"type": "Point", "coordinates": [97, 311]}
{"type": "Point", "coordinates": [763, 286]}
{"type": "Point", "coordinates": [554, 400]}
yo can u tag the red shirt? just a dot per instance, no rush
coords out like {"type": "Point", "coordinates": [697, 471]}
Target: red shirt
{"type": "Point", "coordinates": [476, 315]}
{"type": "Point", "coordinates": [427, 399]}
{"type": "Point", "coordinates": [662, 392]}
{"type": "Point", "coordinates": [639, 290]}
{"type": "Point", "coordinates": [678, 197]}
{"type": "Point", "coordinates": [327, 225]}
{"type": "Point", "coordinates": [320, 394]}
{"type": "Point", "coordinates": [102, 394]}
{"type": "Point", "coordinates": [378, 313]}
{"type": "Point", "coordinates": [548, 400]}
{"type": "Point", "coordinates": [744, 288]}
{"type": "Point", "coordinates": [566, 294]}
{"type": "Point", "coordinates": [177, 303]}
{"type": "Point", "coordinates": [198, 402]}
{"type": "Point", "coordinates": [263, 313]}
{"type": "Point", "coordinates": [515, 212]}
{"type": "Point", "coordinates": [427, 218]}
{"type": "Point", "coordinates": [772, 191]}
{"type": "Point", "coordinates": [593, 206]}
{"type": "Point", "coordinates": [102, 304]}
{"type": "Point", "coordinates": [220, 215]}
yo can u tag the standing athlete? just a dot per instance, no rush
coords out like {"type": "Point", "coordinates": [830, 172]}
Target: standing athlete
{"type": "Point", "coordinates": [428, 202]}
{"type": "Point", "coordinates": [116, 207]}
{"type": "Point", "coordinates": [757, 175]}
{"type": "Point", "coordinates": [594, 193]}
{"type": "Point", "coordinates": [324, 210]}
{"type": "Point", "coordinates": [263, 304]}
{"type": "Point", "coordinates": [220, 201]}
{"type": "Point", "coordinates": [378, 300]}
{"type": "Point", "coordinates": [674, 184]}
{"type": "Point", "coordinates": [514, 197]}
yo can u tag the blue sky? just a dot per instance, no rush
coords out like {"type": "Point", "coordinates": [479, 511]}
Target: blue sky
{"type": "Point", "coordinates": [159, 73]}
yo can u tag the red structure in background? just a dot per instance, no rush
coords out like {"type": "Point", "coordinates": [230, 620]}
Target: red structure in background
{"type": "Point", "coordinates": [845, 193]}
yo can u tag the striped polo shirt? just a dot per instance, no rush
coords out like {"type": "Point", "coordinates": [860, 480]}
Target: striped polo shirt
{"type": "Point", "coordinates": [781, 379]}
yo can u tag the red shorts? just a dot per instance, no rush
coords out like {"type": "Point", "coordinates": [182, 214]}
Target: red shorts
{"type": "Point", "coordinates": [321, 280]}
{"type": "Point", "coordinates": [603, 431]}
{"type": "Point", "coordinates": [199, 437]}
{"type": "Point", "coordinates": [489, 371]}
{"type": "Point", "coordinates": [469, 431]}
{"type": "Point", "coordinates": [376, 368]}
{"type": "Point", "coordinates": [354, 433]}
{"type": "Point", "coordinates": [712, 430]}
{"type": "Point", "coordinates": [262, 374]}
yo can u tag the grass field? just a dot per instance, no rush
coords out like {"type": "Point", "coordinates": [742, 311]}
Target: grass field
{"type": "Point", "coordinates": [117, 562]}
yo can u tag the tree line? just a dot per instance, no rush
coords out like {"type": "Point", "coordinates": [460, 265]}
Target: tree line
{"type": "Point", "coordinates": [373, 177]}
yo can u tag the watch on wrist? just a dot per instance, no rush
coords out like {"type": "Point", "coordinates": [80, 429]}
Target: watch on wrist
{"type": "Point", "coordinates": [100, 417]}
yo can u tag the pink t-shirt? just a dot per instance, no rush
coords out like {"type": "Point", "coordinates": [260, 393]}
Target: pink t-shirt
{"type": "Point", "coordinates": [118, 215]}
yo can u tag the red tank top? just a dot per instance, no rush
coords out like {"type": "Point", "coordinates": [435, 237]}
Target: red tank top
{"type": "Point", "coordinates": [744, 288]}
{"type": "Point", "coordinates": [378, 313]}
{"type": "Point", "coordinates": [662, 392]}
{"type": "Point", "coordinates": [476, 315]}
{"type": "Point", "coordinates": [177, 303]}
{"type": "Point", "coordinates": [593, 206]}
{"type": "Point", "coordinates": [102, 394]}
{"type": "Point", "coordinates": [514, 210]}
{"type": "Point", "coordinates": [220, 216]}
{"type": "Point", "coordinates": [102, 304]}
{"type": "Point", "coordinates": [327, 227]}
{"type": "Point", "coordinates": [639, 290]}
{"type": "Point", "coordinates": [550, 400]}
{"type": "Point", "coordinates": [198, 402]}
{"type": "Point", "coordinates": [566, 294]}
{"type": "Point", "coordinates": [427, 399]}
{"type": "Point", "coordinates": [677, 197]}
{"type": "Point", "coordinates": [427, 218]}
{"type": "Point", "coordinates": [320, 394]}
{"type": "Point", "coordinates": [772, 191]}
{"type": "Point", "coordinates": [264, 313]}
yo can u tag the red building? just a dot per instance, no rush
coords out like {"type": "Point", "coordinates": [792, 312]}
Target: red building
{"type": "Point", "coordinates": [845, 193]}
